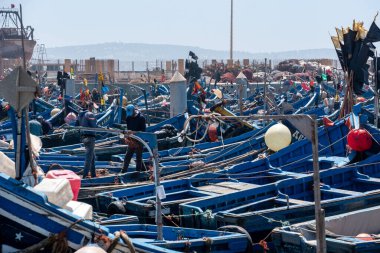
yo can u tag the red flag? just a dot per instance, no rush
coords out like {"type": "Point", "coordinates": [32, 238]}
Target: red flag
{"type": "Point", "coordinates": [327, 122]}
{"type": "Point", "coordinates": [305, 86]}
{"type": "Point", "coordinates": [348, 124]}
{"type": "Point", "coordinates": [198, 87]}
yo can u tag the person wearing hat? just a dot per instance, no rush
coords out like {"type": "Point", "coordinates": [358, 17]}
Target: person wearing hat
{"type": "Point", "coordinates": [135, 123]}
{"type": "Point", "coordinates": [46, 126]}
{"type": "Point", "coordinates": [87, 119]}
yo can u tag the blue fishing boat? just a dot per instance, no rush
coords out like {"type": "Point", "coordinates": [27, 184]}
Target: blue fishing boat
{"type": "Point", "coordinates": [41, 224]}
{"type": "Point", "coordinates": [344, 234]}
{"type": "Point", "coordinates": [29, 221]}
{"type": "Point", "coordinates": [289, 201]}
{"type": "Point", "coordinates": [187, 240]}
{"type": "Point", "coordinates": [292, 161]}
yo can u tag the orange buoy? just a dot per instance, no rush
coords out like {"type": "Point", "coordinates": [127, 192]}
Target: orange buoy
{"type": "Point", "coordinates": [364, 237]}
{"type": "Point", "coordinates": [360, 99]}
{"type": "Point", "coordinates": [213, 132]}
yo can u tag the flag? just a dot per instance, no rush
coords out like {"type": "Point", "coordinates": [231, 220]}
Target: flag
{"type": "Point", "coordinates": [360, 78]}
{"type": "Point", "coordinates": [335, 41]}
{"type": "Point", "coordinates": [361, 31]}
{"type": "Point", "coordinates": [360, 67]}
{"type": "Point", "coordinates": [377, 71]}
{"type": "Point", "coordinates": [364, 52]}
{"type": "Point", "coordinates": [327, 122]}
{"type": "Point", "coordinates": [197, 87]}
{"type": "Point", "coordinates": [349, 40]}
{"type": "Point", "coordinates": [305, 86]}
{"type": "Point", "coordinates": [105, 89]}
{"type": "Point", "coordinates": [339, 34]}
{"type": "Point", "coordinates": [348, 123]}
{"type": "Point", "coordinates": [100, 77]}
{"type": "Point", "coordinates": [357, 47]}
{"type": "Point", "coordinates": [373, 34]}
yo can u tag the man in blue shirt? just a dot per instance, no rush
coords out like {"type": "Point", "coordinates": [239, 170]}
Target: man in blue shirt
{"type": "Point", "coordinates": [87, 119]}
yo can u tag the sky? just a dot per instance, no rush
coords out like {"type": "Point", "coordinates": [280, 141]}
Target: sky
{"type": "Point", "coordinates": [259, 25]}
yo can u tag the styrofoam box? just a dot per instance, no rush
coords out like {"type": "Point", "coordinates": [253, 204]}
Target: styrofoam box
{"type": "Point", "coordinates": [7, 166]}
{"type": "Point", "coordinates": [58, 191]}
{"type": "Point", "coordinates": [81, 209]}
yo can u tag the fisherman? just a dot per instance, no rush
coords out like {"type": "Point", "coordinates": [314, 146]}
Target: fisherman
{"type": "Point", "coordinates": [46, 125]}
{"type": "Point", "coordinates": [95, 96]}
{"type": "Point", "coordinates": [135, 123]}
{"type": "Point", "coordinates": [217, 77]}
{"type": "Point", "coordinates": [87, 119]}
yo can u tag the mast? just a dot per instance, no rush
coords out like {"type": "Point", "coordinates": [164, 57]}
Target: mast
{"type": "Point", "coordinates": [376, 109]}
{"type": "Point", "coordinates": [231, 30]}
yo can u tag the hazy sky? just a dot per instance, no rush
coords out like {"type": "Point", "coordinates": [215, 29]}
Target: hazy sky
{"type": "Point", "coordinates": [259, 25]}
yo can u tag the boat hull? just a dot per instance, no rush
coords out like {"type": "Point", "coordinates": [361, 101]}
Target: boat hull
{"type": "Point", "coordinates": [12, 49]}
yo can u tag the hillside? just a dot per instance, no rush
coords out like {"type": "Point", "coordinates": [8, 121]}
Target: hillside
{"type": "Point", "coordinates": [151, 52]}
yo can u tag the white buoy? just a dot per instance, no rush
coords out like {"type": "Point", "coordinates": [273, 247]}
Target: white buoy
{"type": "Point", "coordinates": [278, 137]}
{"type": "Point", "coordinates": [71, 118]}
{"type": "Point", "coordinates": [90, 249]}
{"type": "Point", "coordinates": [54, 111]}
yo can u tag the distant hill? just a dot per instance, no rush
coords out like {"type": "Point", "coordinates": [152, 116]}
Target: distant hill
{"type": "Point", "coordinates": [151, 52]}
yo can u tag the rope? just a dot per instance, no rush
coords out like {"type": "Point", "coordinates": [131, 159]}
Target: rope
{"type": "Point", "coordinates": [56, 242]}
{"type": "Point", "coordinates": [211, 165]}
{"type": "Point", "coordinates": [114, 242]}
{"type": "Point", "coordinates": [127, 241]}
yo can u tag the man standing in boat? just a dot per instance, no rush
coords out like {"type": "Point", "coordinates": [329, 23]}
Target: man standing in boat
{"type": "Point", "coordinates": [87, 119]}
{"type": "Point", "coordinates": [135, 123]}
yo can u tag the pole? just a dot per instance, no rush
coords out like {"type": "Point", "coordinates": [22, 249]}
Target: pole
{"type": "Point", "coordinates": [22, 40]}
{"type": "Point", "coordinates": [26, 112]}
{"type": "Point", "coordinates": [18, 147]}
{"type": "Point", "coordinates": [241, 97]}
{"type": "Point", "coordinates": [376, 109]}
{"type": "Point", "coordinates": [265, 87]}
{"type": "Point", "coordinates": [158, 200]}
{"type": "Point", "coordinates": [231, 30]}
{"type": "Point", "coordinates": [147, 70]}
{"type": "Point", "coordinates": [146, 106]}
{"type": "Point", "coordinates": [319, 212]}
